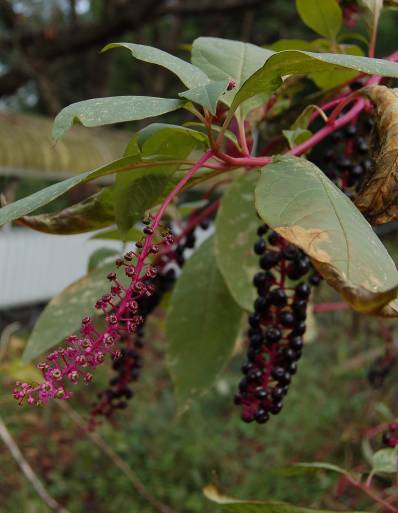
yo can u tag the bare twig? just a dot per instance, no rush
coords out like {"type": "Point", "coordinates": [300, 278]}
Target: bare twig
{"type": "Point", "coordinates": [117, 460]}
{"type": "Point", "coordinates": [28, 471]}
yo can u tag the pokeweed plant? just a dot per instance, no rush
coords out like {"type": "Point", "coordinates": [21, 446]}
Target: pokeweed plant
{"type": "Point", "coordinates": [292, 153]}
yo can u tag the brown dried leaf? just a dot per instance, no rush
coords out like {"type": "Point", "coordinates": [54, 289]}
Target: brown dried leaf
{"type": "Point", "coordinates": [93, 213]}
{"type": "Point", "coordinates": [378, 198]}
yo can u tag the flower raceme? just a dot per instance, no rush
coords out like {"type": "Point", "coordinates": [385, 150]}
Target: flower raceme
{"type": "Point", "coordinates": [82, 353]}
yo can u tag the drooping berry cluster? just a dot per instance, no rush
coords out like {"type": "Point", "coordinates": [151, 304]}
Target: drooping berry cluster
{"type": "Point", "coordinates": [277, 325]}
{"type": "Point", "coordinates": [128, 366]}
{"type": "Point", "coordinates": [344, 156]}
{"type": "Point", "coordinates": [390, 437]}
{"type": "Point", "coordinates": [120, 307]}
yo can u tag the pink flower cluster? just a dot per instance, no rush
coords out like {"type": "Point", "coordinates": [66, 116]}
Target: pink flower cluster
{"type": "Point", "coordinates": [82, 353]}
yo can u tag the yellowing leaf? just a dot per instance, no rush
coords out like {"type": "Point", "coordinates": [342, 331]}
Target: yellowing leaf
{"type": "Point", "coordinates": [304, 206]}
{"type": "Point", "coordinates": [378, 198]}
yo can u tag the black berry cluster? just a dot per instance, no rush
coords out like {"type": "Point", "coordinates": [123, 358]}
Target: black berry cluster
{"type": "Point", "coordinates": [276, 327]}
{"type": "Point", "coordinates": [390, 437]}
{"type": "Point", "coordinates": [344, 155]}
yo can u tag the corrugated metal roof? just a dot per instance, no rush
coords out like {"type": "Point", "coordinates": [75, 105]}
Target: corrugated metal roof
{"type": "Point", "coordinates": [35, 266]}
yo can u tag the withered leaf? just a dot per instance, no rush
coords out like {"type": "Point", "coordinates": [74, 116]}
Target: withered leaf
{"type": "Point", "coordinates": [298, 201]}
{"type": "Point", "coordinates": [93, 213]}
{"type": "Point", "coordinates": [378, 196]}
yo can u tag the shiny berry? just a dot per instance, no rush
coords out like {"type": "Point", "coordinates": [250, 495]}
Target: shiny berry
{"type": "Point", "coordinates": [278, 297]}
{"type": "Point", "coordinates": [303, 290]}
{"type": "Point", "coordinates": [259, 246]}
{"type": "Point", "coordinates": [274, 238]}
{"type": "Point", "coordinates": [269, 260]}
{"type": "Point", "coordinates": [272, 335]}
{"type": "Point", "coordinates": [286, 319]}
{"type": "Point", "coordinates": [262, 230]}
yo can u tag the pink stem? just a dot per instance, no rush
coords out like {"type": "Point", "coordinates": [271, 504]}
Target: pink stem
{"type": "Point", "coordinates": [148, 241]}
{"type": "Point", "coordinates": [328, 129]}
{"type": "Point", "coordinates": [330, 307]}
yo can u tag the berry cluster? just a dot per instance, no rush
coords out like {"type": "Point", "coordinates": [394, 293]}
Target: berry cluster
{"type": "Point", "coordinates": [346, 161]}
{"type": "Point", "coordinates": [390, 437]}
{"type": "Point", "coordinates": [120, 307]}
{"type": "Point", "coordinates": [128, 366]}
{"type": "Point", "coordinates": [277, 325]}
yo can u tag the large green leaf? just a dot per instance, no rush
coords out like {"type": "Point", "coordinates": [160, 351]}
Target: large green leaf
{"type": "Point", "coordinates": [323, 16]}
{"type": "Point", "coordinates": [93, 213]}
{"type": "Point", "coordinates": [236, 227]}
{"type": "Point", "coordinates": [202, 324]}
{"type": "Point", "coordinates": [38, 199]}
{"type": "Point", "coordinates": [189, 74]}
{"type": "Point", "coordinates": [385, 461]}
{"type": "Point", "coordinates": [297, 199]}
{"type": "Point", "coordinates": [207, 95]}
{"type": "Point", "coordinates": [224, 59]}
{"type": "Point", "coordinates": [115, 109]}
{"type": "Point", "coordinates": [138, 190]}
{"type": "Point", "coordinates": [334, 78]}
{"type": "Point", "coordinates": [63, 314]}
{"type": "Point", "coordinates": [167, 129]}
{"type": "Point", "coordinates": [250, 506]}
{"type": "Point", "coordinates": [269, 77]}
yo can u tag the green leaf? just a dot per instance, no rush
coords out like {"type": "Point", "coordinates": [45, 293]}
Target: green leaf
{"type": "Point", "coordinates": [169, 130]}
{"type": "Point", "coordinates": [371, 10]}
{"type": "Point", "coordinates": [304, 206]}
{"type": "Point", "coordinates": [308, 468]}
{"type": "Point", "coordinates": [385, 461]}
{"type": "Point", "coordinates": [207, 95]}
{"type": "Point", "coordinates": [296, 136]}
{"type": "Point", "coordinates": [224, 59]}
{"type": "Point", "coordinates": [323, 16]}
{"type": "Point", "coordinates": [99, 257]}
{"type": "Point", "coordinates": [236, 227]}
{"type": "Point", "coordinates": [138, 190]}
{"type": "Point", "coordinates": [63, 314]}
{"type": "Point", "coordinates": [250, 506]}
{"type": "Point", "coordinates": [292, 44]}
{"type": "Point", "coordinates": [303, 120]}
{"type": "Point", "coordinates": [44, 196]}
{"type": "Point", "coordinates": [215, 128]}
{"type": "Point", "coordinates": [115, 109]}
{"type": "Point", "coordinates": [93, 213]}
{"type": "Point", "coordinates": [269, 77]}
{"type": "Point", "coordinates": [328, 80]}
{"type": "Point", "coordinates": [202, 324]}
{"type": "Point", "coordinates": [132, 235]}
{"type": "Point", "coordinates": [189, 74]}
